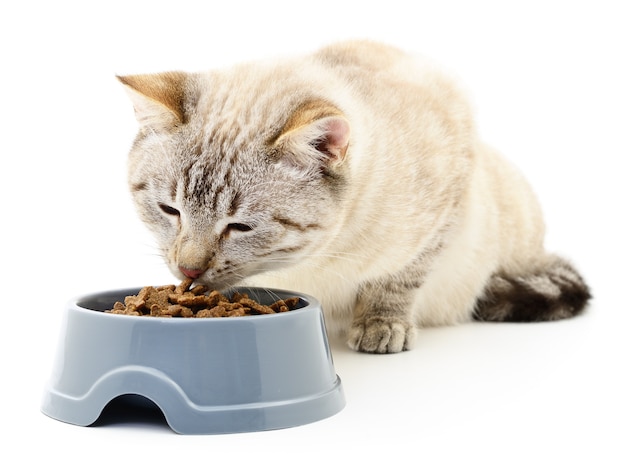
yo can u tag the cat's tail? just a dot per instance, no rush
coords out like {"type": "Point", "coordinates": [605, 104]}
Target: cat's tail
{"type": "Point", "coordinates": [553, 291]}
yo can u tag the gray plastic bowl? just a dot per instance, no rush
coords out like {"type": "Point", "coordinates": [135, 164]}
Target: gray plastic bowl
{"type": "Point", "coordinates": [207, 375]}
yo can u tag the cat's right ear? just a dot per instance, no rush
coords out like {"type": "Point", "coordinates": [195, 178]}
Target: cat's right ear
{"type": "Point", "coordinates": [157, 98]}
{"type": "Point", "coordinates": [315, 137]}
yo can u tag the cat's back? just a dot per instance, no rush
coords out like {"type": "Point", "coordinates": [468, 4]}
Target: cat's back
{"type": "Point", "coordinates": [365, 65]}
{"type": "Point", "coordinates": [360, 54]}
{"type": "Point", "coordinates": [395, 83]}
{"type": "Point", "coordinates": [364, 61]}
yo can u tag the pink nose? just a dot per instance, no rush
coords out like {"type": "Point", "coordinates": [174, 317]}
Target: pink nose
{"type": "Point", "coordinates": [191, 273]}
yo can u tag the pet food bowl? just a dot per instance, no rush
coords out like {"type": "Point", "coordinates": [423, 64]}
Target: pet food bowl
{"type": "Point", "coordinates": [207, 375]}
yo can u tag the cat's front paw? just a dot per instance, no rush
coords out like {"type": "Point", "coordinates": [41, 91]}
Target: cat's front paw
{"type": "Point", "coordinates": [382, 335]}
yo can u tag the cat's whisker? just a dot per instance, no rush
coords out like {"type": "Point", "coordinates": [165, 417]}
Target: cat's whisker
{"type": "Point", "coordinates": [271, 293]}
{"type": "Point", "coordinates": [343, 256]}
{"type": "Point", "coordinates": [321, 270]}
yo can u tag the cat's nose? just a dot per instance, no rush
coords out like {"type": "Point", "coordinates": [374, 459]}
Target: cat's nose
{"type": "Point", "coordinates": [191, 273]}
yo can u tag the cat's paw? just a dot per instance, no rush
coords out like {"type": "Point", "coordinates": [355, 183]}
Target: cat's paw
{"type": "Point", "coordinates": [382, 335]}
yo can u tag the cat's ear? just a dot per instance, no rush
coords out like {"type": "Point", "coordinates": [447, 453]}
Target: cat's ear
{"type": "Point", "coordinates": [315, 136]}
{"type": "Point", "coordinates": [157, 98]}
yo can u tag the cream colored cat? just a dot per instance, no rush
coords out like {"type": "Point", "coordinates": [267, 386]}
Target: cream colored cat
{"type": "Point", "coordinates": [354, 174]}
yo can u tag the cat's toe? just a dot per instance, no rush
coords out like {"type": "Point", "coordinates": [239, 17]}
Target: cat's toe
{"type": "Point", "coordinates": [382, 335]}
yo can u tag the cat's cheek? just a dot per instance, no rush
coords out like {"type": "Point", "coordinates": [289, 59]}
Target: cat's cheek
{"type": "Point", "coordinates": [172, 265]}
{"type": "Point", "coordinates": [168, 252]}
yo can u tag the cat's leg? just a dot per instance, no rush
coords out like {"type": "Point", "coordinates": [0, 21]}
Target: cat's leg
{"type": "Point", "coordinates": [439, 287]}
{"type": "Point", "coordinates": [383, 321]}
{"type": "Point", "coordinates": [389, 309]}
{"type": "Point", "coordinates": [384, 317]}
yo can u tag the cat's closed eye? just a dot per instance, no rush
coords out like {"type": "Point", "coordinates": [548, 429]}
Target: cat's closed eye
{"type": "Point", "coordinates": [169, 210]}
{"type": "Point", "coordinates": [238, 227]}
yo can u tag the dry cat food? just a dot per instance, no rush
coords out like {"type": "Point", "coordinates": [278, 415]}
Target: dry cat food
{"type": "Point", "coordinates": [183, 301]}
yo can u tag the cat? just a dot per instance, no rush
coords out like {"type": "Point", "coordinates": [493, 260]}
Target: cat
{"type": "Point", "coordinates": [354, 174]}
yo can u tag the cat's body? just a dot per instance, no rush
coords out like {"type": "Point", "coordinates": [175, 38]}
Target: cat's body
{"type": "Point", "coordinates": [355, 175]}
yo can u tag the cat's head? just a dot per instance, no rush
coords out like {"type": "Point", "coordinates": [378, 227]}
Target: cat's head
{"type": "Point", "coordinates": [235, 177]}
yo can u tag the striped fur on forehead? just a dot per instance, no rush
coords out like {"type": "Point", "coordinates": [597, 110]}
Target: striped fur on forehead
{"type": "Point", "coordinates": [238, 109]}
{"type": "Point", "coordinates": [207, 181]}
{"type": "Point", "coordinates": [230, 137]}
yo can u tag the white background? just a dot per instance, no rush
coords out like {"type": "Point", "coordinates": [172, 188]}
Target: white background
{"type": "Point", "coordinates": [547, 80]}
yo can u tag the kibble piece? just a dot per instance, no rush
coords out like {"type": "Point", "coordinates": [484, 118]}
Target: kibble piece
{"type": "Point", "coordinates": [255, 307]}
{"type": "Point", "coordinates": [215, 297]}
{"type": "Point", "coordinates": [237, 312]}
{"type": "Point", "coordinates": [156, 297]}
{"type": "Point", "coordinates": [230, 306]}
{"type": "Point", "coordinates": [285, 305]}
{"type": "Point", "coordinates": [175, 310]}
{"type": "Point", "coordinates": [184, 285]}
{"type": "Point", "coordinates": [186, 312]}
{"type": "Point", "coordinates": [189, 299]}
{"type": "Point", "coordinates": [215, 312]}
{"type": "Point", "coordinates": [199, 289]}
{"type": "Point", "coordinates": [156, 310]}
{"type": "Point", "coordinates": [134, 301]}
{"type": "Point", "coordinates": [166, 288]}
{"type": "Point", "coordinates": [119, 306]}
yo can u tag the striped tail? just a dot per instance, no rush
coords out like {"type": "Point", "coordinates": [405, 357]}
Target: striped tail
{"type": "Point", "coordinates": [554, 291]}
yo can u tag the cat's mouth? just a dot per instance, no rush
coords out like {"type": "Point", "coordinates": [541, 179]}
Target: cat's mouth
{"type": "Point", "coordinates": [204, 277]}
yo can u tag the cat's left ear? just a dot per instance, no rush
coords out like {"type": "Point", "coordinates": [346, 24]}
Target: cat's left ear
{"type": "Point", "coordinates": [317, 142]}
{"type": "Point", "coordinates": [157, 98]}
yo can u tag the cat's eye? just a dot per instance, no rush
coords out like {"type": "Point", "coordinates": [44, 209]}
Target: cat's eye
{"type": "Point", "coordinates": [169, 210]}
{"type": "Point", "coordinates": [238, 227]}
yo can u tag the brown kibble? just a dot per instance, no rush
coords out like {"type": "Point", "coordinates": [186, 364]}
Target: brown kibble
{"type": "Point", "coordinates": [255, 306]}
{"type": "Point", "coordinates": [278, 306]}
{"type": "Point", "coordinates": [184, 285]}
{"type": "Point", "coordinates": [199, 289]}
{"type": "Point", "coordinates": [186, 312]}
{"type": "Point", "coordinates": [184, 301]}
{"type": "Point", "coordinates": [189, 299]}
{"type": "Point", "coordinates": [160, 298]}
{"type": "Point", "coordinates": [292, 302]}
{"type": "Point", "coordinates": [215, 312]}
{"type": "Point", "coordinates": [230, 306]}
{"type": "Point", "coordinates": [135, 301]}
{"type": "Point", "coordinates": [166, 288]}
{"type": "Point", "coordinates": [237, 297]}
{"type": "Point", "coordinates": [215, 297]}
{"type": "Point", "coordinates": [132, 308]}
{"type": "Point", "coordinates": [174, 310]}
{"type": "Point", "coordinates": [237, 312]}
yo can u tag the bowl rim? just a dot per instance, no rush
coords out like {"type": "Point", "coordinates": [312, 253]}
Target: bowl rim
{"type": "Point", "coordinates": [309, 301]}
